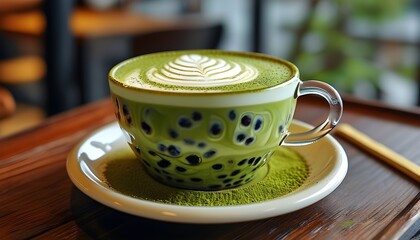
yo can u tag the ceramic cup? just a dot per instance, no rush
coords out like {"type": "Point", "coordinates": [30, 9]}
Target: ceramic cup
{"type": "Point", "coordinates": [208, 119]}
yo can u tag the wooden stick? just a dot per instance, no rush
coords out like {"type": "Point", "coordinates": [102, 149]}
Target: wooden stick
{"type": "Point", "coordinates": [377, 149]}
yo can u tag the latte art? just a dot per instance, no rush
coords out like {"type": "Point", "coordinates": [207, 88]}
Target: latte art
{"type": "Point", "coordinates": [196, 70]}
{"type": "Point", "coordinates": [202, 72]}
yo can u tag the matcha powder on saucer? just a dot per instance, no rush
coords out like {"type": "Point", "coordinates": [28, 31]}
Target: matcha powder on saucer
{"type": "Point", "coordinates": [287, 171]}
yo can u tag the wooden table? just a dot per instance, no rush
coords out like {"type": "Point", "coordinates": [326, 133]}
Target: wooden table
{"type": "Point", "coordinates": [38, 200]}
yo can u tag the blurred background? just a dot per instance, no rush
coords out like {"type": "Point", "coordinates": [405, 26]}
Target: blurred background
{"type": "Point", "coordinates": [55, 55]}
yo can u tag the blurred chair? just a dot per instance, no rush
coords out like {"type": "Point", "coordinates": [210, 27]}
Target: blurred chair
{"type": "Point", "coordinates": [14, 116]}
{"type": "Point", "coordinates": [18, 68]}
{"type": "Point", "coordinates": [195, 34]}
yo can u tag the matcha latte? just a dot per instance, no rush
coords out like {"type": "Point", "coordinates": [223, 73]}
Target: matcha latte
{"type": "Point", "coordinates": [210, 120]}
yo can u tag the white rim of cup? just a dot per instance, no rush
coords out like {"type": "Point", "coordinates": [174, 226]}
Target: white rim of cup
{"type": "Point", "coordinates": [280, 92]}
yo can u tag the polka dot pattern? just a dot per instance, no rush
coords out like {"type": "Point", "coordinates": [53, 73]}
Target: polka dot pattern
{"type": "Point", "coordinates": [200, 148]}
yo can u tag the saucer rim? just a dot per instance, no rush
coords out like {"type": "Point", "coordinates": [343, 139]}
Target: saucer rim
{"type": "Point", "coordinates": [207, 214]}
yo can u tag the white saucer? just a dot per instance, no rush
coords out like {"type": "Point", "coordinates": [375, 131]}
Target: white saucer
{"type": "Point", "coordinates": [326, 160]}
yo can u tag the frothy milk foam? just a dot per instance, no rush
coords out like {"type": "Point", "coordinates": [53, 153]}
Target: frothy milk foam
{"type": "Point", "coordinates": [205, 71]}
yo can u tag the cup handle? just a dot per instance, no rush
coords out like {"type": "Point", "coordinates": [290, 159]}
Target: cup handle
{"type": "Point", "coordinates": [336, 110]}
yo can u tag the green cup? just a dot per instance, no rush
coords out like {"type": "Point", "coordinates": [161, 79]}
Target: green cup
{"type": "Point", "coordinates": [209, 119]}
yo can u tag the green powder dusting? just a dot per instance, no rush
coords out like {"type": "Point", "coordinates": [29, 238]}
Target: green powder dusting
{"type": "Point", "coordinates": [287, 171]}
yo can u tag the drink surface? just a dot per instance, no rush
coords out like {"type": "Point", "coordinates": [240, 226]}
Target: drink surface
{"type": "Point", "coordinates": [203, 71]}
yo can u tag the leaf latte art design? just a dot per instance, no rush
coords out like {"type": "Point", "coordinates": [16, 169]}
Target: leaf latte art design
{"type": "Point", "coordinates": [201, 71]}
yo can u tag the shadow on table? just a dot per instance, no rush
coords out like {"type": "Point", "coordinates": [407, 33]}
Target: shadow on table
{"type": "Point", "coordinates": [97, 221]}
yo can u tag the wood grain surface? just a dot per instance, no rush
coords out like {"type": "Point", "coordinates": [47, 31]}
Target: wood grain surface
{"type": "Point", "coordinates": [375, 201]}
